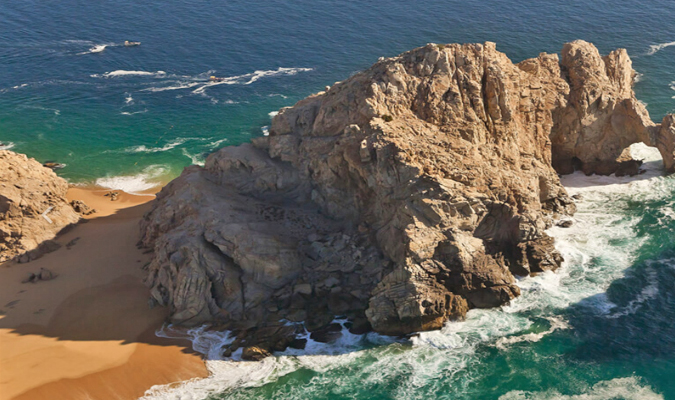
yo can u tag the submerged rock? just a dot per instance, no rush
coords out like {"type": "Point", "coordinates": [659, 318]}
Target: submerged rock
{"type": "Point", "coordinates": [399, 198]}
{"type": "Point", "coordinates": [33, 207]}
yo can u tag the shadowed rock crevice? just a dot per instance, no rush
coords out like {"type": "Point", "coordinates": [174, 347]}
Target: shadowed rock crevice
{"type": "Point", "coordinates": [398, 198]}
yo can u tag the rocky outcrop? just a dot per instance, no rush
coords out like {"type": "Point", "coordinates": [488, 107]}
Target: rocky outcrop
{"type": "Point", "coordinates": [602, 117]}
{"type": "Point", "coordinates": [399, 198]}
{"type": "Point", "coordinates": [33, 207]}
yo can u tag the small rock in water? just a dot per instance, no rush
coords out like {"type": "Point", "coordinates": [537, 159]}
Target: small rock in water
{"type": "Point", "coordinates": [254, 353]}
{"type": "Point", "coordinates": [328, 334]}
{"type": "Point", "coordinates": [298, 344]}
{"type": "Point", "coordinates": [566, 223]}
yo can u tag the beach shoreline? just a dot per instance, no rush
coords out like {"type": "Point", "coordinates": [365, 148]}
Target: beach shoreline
{"type": "Point", "coordinates": [89, 332]}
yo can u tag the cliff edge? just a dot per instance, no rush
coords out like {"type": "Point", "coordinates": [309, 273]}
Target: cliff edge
{"type": "Point", "coordinates": [398, 198]}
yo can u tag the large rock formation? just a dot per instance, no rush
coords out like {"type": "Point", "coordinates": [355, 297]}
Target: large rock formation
{"type": "Point", "coordinates": [28, 191]}
{"type": "Point", "coordinates": [602, 117]}
{"type": "Point", "coordinates": [400, 198]}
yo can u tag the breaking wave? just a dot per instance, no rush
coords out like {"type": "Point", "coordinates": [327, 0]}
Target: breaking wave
{"type": "Point", "coordinates": [149, 178]}
{"type": "Point", "coordinates": [6, 145]}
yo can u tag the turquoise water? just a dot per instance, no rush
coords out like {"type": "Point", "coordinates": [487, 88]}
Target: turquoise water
{"type": "Point", "coordinates": [131, 117]}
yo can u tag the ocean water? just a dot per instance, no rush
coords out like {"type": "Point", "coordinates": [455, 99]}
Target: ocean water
{"type": "Point", "coordinates": [602, 327]}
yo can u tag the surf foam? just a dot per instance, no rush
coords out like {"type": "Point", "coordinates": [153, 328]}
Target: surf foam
{"type": "Point", "coordinates": [655, 48]}
{"type": "Point", "coordinates": [620, 388]}
{"type": "Point", "coordinates": [148, 179]}
{"type": "Point", "coordinates": [123, 73]}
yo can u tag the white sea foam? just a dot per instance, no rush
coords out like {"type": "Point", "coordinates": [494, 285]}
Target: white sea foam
{"type": "Point", "coordinates": [628, 388]}
{"type": "Point", "coordinates": [248, 79]}
{"type": "Point", "coordinates": [273, 114]}
{"type": "Point", "coordinates": [196, 160]}
{"type": "Point", "coordinates": [200, 83]}
{"type": "Point", "coordinates": [265, 130]}
{"type": "Point", "coordinates": [134, 112]}
{"type": "Point", "coordinates": [179, 86]}
{"type": "Point", "coordinates": [124, 73]}
{"type": "Point", "coordinates": [6, 145]}
{"type": "Point", "coordinates": [557, 323]}
{"type": "Point", "coordinates": [653, 49]}
{"type": "Point", "coordinates": [149, 178]}
{"type": "Point", "coordinates": [227, 374]}
{"type": "Point", "coordinates": [128, 100]}
{"type": "Point", "coordinates": [144, 149]}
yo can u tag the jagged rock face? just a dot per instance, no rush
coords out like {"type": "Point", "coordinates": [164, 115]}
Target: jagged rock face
{"type": "Point", "coordinates": [27, 190]}
{"type": "Point", "coordinates": [407, 194]}
{"type": "Point", "coordinates": [602, 116]}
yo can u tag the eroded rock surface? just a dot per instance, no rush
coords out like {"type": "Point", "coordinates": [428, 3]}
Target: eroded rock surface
{"type": "Point", "coordinates": [399, 198]}
{"type": "Point", "coordinates": [27, 190]}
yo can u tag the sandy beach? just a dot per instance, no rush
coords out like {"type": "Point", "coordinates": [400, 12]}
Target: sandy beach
{"type": "Point", "coordinates": [88, 333]}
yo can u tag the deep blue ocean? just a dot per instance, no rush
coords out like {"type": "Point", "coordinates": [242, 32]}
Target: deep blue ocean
{"type": "Point", "coordinates": [603, 327]}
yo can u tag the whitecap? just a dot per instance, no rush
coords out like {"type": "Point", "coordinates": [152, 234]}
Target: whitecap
{"type": "Point", "coordinates": [146, 180]}
{"type": "Point", "coordinates": [134, 112]}
{"type": "Point", "coordinates": [179, 86]}
{"type": "Point", "coordinates": [123, 73]}
{"type": "Point", "coordinates": [273, 114]}
{"type": "Point", "coordinates": [620, 388]}
{"type": "Point", "coordinates": [145, 149]}
{"type": "Point", "coordinates": [658, 47]}
{"type": "Point", "coordinates": [248, 79]}
{"type": "Point", "coordinates": [128, 100]}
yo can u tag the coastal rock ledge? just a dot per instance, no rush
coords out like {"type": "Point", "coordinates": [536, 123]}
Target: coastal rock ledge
{"type": "Point", "coordinates": [399, 198]}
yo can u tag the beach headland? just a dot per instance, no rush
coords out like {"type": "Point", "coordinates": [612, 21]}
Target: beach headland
{"type": "Point", "coordinates": [89, 333]}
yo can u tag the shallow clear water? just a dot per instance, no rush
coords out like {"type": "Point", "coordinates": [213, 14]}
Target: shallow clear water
{"type": "Point", "coordinates": [129, 117]}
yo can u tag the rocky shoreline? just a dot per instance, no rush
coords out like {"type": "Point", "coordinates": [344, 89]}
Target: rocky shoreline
{"type": "Point", "coordinates": [399, 198]}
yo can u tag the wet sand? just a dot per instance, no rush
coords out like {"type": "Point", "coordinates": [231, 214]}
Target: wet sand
{"type": "Point", "coordinates": [88, 333]}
